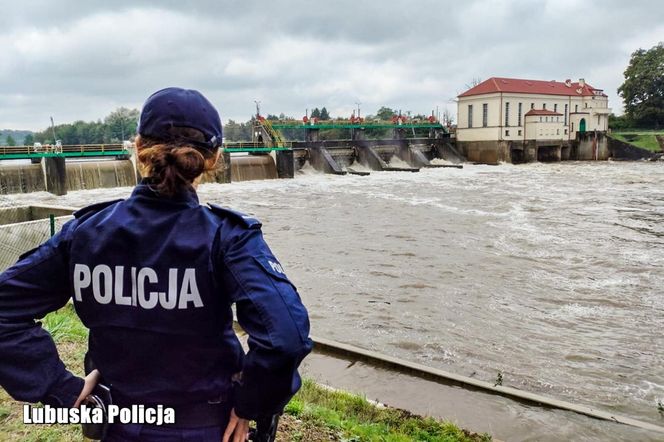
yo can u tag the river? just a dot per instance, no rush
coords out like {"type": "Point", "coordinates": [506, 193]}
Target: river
{"type": "Point", "coordinates": [550, 274]}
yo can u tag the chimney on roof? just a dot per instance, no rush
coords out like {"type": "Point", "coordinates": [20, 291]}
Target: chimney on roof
{"type": "Point", "coordinates": [568, 83]}
{"type": "Point", "coordinates": [582, 82]}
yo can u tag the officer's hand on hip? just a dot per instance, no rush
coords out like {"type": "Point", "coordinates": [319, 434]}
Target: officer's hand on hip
{"type": "Point", "coordinates": [91, 381]}
{"type": "Point", "coordinates": [237, 428]}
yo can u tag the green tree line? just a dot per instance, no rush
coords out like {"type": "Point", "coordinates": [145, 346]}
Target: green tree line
{"type": "Point", "coordinates": [117, 126]}
{"type": "Point", "coordinates": [121, 125]}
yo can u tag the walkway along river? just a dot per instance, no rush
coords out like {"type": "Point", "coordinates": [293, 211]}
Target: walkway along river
{"type": "Point", "coordinates": [550, 275]}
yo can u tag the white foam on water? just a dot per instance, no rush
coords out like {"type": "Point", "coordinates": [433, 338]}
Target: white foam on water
{"type": "Point", "coordinates": [307, 169]}
{"type": "Point", "coordinates": [395, 161]}
{"type": "Point", "coordinates": [577, 311]}
{"type": "Point", "coordinates": [440, 162]}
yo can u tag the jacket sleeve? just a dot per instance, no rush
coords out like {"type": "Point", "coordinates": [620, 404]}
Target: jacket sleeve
{"type": "Point", "coordinates": [269, 309]}
{"type": "Point", "coordinates": [30, 368]}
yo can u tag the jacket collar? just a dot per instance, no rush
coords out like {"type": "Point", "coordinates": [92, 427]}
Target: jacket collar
{"type": "Point", "coordinates": [146, 189]}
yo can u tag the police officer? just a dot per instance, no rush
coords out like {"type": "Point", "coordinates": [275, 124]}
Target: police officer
{"type": "Point", "coordinates": [153, 277]}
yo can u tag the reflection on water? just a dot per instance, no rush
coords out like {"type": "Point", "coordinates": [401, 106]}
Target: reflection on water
{"type": "Point", "coordinates": [550, 274]}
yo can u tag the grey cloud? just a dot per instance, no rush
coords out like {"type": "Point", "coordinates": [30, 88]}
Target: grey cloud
{"type": "Point", "coordinates": [80, 59]}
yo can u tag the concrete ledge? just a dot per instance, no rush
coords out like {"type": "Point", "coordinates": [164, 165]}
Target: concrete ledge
{"type": "Point", "coordinates": [419, 370]}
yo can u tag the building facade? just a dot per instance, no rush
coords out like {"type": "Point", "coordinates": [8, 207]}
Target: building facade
{"type": "Point", "coordinates": [508, 109]}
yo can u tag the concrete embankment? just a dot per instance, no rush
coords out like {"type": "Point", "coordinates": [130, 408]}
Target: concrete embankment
{"type": "Point", "coordinates": [506, 412]}
{"type": "Point", "coordinates": [625, 151]}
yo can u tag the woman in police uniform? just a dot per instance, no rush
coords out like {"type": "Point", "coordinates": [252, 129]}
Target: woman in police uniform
{"type": "Point", "coordinates": [153, 277]}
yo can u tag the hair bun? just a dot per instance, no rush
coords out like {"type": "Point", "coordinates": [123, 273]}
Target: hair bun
{"type": "Point", "coordinates": [188, 162]}
{"type": "Point", "coordinates": [170, 157]}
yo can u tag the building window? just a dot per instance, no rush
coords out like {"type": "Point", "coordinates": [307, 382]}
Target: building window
{"type": "Point", "coordinates": [507, 133]}
{"type": "Point", "coordinates": [586, 105]}
{"type": "Point", "coordinates": [540, 119]}
{"type": "Point", "coordinates": [576, 108]}
{"type": "Point", "coordinates": [485, 115]}
{"type": "Point", "coordinates": [519, 131]}
{"type": "Point", "coordinates": [546, 119]}
{"type": "Point", "coordinates": [555, 107]}
{"type": "Point", "coordinates": [507, 114]}
{"type": "Point", "coordinates": [557, 131]}
{"type": "Point", "coordinates": [532, 105]}
{"type": "Point", "coordinates": [518, 123]}
{"type": "Point", "coordinates": [598, 119]}
{"type": "Point", "coordinates": [565, 131]}
{"type": "Point", "coordinates": [470, 115]}
{"type": "Point", "coordinates": [566, 115]}
{"type": "Point", "coordinates": [543, 105]}
{"type": "Point", "coordinates": [557, 119]}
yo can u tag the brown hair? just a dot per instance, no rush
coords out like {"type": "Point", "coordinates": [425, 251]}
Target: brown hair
{"type": "Point", "coordinates": [172, 166]}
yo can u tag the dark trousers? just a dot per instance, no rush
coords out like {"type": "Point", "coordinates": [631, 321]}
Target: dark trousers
{"type": "Point", "coordinates": [152, 433]}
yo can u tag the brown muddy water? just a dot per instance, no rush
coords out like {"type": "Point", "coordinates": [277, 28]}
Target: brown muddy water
{"type": "Point", "coordinates": [549, 274]}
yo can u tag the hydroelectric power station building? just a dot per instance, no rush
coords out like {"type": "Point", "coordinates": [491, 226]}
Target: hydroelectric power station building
{"type": "Point", "coordinates": [514, 120]}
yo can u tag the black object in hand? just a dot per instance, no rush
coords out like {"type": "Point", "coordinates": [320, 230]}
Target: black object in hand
{"type": "Point", "coordinates": [99, 398]}
{"type": "Point", "coordinates": [266, 429]}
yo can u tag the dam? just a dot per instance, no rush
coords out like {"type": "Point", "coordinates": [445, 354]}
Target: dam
{"type": "Point", "coordinates": [409, 146]}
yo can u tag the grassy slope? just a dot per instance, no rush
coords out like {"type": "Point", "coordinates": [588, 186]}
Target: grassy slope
{"type": "Point", "coordinates": [315, 414]}
{"type": "Point", "coordinates": [643, 139]}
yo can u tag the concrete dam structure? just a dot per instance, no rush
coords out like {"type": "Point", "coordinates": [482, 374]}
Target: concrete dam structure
{"type": "Point", "coordinates": [76, 175]}
{"type": "Point", "coordinates": [587, 146]}
{"type": "Point", "coordinates": [270, 156]}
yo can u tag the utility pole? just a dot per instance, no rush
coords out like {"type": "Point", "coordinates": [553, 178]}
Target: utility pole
{"type": "Point", "coordinates": [258, 108]}
{"type": "Point", "coordinates": [53, 130]}
{"type": "Point", "coordinates": [358, 108]}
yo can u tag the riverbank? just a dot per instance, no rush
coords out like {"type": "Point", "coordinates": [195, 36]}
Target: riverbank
{"type": "Point", "coordinates": [315, 413]}
{"type": "Point", "coordinates": [645, 139]}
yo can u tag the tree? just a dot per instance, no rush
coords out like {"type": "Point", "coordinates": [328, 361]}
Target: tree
{"type": "Point", "coordinates": [620, 122]}
{"type": "Point", "coordinates": [385, 113]}
{"type": "Point", "coordinates": [643, 89]}
{"type": "Point", "coordinates": [474, 82]}
{"type": "Point", "coordinates": [324, 114]}
{"type": "Point", "coordinates": [10, 141]}
{"type": "Point", "coordinates": [29, 140]}
{"type": "Point", "coordinates": [121, 123]}
{"type": "Point", "coordinates": [315, 113]}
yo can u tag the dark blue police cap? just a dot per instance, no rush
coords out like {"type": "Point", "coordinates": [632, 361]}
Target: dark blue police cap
{"type": "Point", "coordinates": [175, 107]}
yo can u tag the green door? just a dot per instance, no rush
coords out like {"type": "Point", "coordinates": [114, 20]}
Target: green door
{"type": "Point", "coordinates": [582, 125]}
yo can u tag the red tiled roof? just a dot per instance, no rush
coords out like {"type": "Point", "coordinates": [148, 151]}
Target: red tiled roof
{"type": "Point", "coordinates": [546, 112]}
{"type": "Point", "coordinates": [515, 85]}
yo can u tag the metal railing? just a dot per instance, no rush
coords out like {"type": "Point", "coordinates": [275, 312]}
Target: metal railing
{"type": "Point", "coordinates": [256, 147]}
{"type": "Point", "coordinates": [77, 150]}
{"type": "Point", "coordinates": [273, 132]}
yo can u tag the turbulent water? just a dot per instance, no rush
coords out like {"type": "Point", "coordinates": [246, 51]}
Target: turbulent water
{"type": "Point", "coordinates": [549, 274]}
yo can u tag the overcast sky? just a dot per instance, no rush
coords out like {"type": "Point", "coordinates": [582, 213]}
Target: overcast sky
{"type": "Point", "coordinates": [79, 60]}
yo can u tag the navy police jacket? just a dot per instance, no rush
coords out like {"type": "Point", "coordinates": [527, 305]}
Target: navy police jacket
{"type": "Point", "coordinates": [154, 280]}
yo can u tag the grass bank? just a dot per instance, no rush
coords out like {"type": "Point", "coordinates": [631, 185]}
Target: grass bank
{"type": "Point", "coordinates": [644, 139]}
{"type": "Point", "coordinates": [314, 414]}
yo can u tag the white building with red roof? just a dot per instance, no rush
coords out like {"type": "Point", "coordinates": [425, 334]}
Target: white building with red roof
{"type": "Point", "coordinates": [509, 109]}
